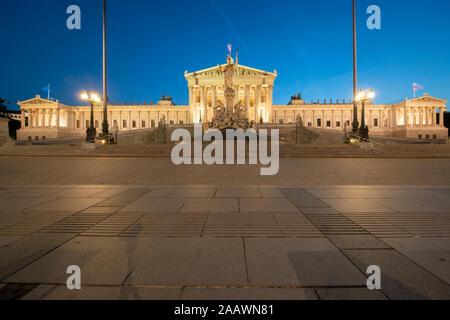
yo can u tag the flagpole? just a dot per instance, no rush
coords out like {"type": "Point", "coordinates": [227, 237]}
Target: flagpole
{"type": "Point", "coordinates": [48, 92]}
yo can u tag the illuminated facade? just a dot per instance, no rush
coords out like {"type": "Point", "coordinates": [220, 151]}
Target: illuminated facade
{"type": "Point", "coordinates": [415, 118]}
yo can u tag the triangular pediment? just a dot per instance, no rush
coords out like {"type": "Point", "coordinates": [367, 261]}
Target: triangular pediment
{"type": "Point", "coordinates": [36, 100]}
{"type": "Point", "coordinates": [239, 70]}
{"type": "Point", "coordinates": [427, 98]}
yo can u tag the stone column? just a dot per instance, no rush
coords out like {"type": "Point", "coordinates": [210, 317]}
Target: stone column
{"type": "Point", "coordinates": [206, 105]}
{"type": "Point", "coordinates": [342, 119]}
{"type": "Point", "coordinates": [202, 100]}
{"type": "Point", "coordinates": [22, 119]}
{"type": "Point", "coordinates": [420, 117]}
{"type": "Point", "coordinates": [333, 123]}
{"type": "Point", "coordinates": [247, 100]}
{"type": "Point", "coordinates": [30, 119]}
{"type": "Point", "coordinates": [50, 118]}
{"type": "Point", "coordinates": [441, 117]}
{"type": "Point", "coordinates": [269, 103]}
{"type": "Point", "coordinates": [58, 120]}
{"type": "Point", "coordinates": [258, 103]}
{"type": "Point", "coordinates": [82, 122]}
{"type": "Point", "coordinates": [214, 97]}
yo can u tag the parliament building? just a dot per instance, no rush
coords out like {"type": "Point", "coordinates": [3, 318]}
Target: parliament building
{"type": "Point", "coordinates": [419, 118]}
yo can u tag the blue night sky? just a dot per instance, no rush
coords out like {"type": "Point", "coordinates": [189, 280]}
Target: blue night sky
{"type": "Point", "coordinates": [152, 43]}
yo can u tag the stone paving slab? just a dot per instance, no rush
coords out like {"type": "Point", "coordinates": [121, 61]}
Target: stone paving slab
{"type": "Point", "coordinates": [210, 205]}
{"type": "Point", "coordinates": [124, 198]}
{"type": "Point", "coordinates": [241, 242]}
{"type": "Point", "coordinates": [192, 193]}
{"type": "Point", "coordinates": [271, 193]}
{"type": "Point", "coordinates": [356, 205]}
{"type": "Point", "coordinates": [408, 205]}
{"type": "Point", "coordinates": [5, 240]}
{"type": "Point", "coordinates": [65, 205]}
{"type": "Point", "coordinates": [248, 294]}
{"type": "Point", "coordinates": [28, 249]}
{"type": "Point", "coordinates": [432, 254]}
{"type": "Point", "coordinates": [364, 241]}
{"type": "Point", "coordinates": [103, 261]}
{"type": "Point", "coordinates": [303, 199]}
{"type": "Point", "coordinates": [299, 262]}
{"type": "Point", "coordinates": [154, 205]}
{"type": "Point", "coordinates": [79, 193]}
{"type": "Point", "coordinates": [266, 205]}
{"type": "Point", "coordinates": [19, 205]}
{"type": "Point", "coordinates": [401, 278]}
{"type": "Point", "coordinates": [114, 293]}
{"type": "Point", "coordinates": [349, 294]}
{"type": "Point", "coordinates": [192, 262]}
{"type": "Point", "coordinates": [238, 193]}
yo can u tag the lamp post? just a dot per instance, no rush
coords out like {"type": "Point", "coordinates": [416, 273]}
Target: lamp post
{"type": "Point", "coordinates": [355, 123]}
{"type": "Point", "coordinates": [363, 96]}
{"type": "Point", "coordinates": [105, 126]}
{"type": "Point", "coordinates": [92, 98]}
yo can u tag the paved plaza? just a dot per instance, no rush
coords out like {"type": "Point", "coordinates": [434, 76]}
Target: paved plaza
{"type": "Point", "coordinates": [215, 242]}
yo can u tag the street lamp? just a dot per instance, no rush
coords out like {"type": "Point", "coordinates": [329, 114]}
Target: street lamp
{"type": "Point", "coordinates": [92, 98]}
{"type": "Point", "coordinates": [355, 104]}
{"type": "Point", "coordinates": [363, 96]}
{"type": "Point", "coordinates": [105, 126]}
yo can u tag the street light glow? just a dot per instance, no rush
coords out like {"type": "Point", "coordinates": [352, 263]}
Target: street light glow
{"type": "Point", "coordinates": [84, 95]}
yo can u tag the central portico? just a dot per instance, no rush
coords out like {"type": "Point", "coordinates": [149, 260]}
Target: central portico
{"type": "Point", "coordinates": [253, 89]}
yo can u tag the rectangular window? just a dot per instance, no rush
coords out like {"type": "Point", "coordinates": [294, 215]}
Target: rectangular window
{"type": "Point", "coordinates": [420, 136]}
{"type": "Point", "coordinates": [375, 122]}
{"type": "Point", "coordinates": [124, 123]}
{"type": "Point", "coordinates": [434, 137]}
{"type": "Point", "coordinates": [172, 122]}
{"type": "Point", "coordinates": [328, 123]}
{"type": "Point", "coordinates": [181, 122]}
{"type": "Point", "coordinates": [115, 123]}
{"type": "Point", "coordinates": [319, 122]}
{"type": "Point", "coordinates": [281, 121]}
{"type": "Point", "coordinates": [143, 124]}
{"type": "Point", "coordinates": [153, 123]}
{"type": "Point", "coordinates": [134, 124]}
{"type": "Point", "coordinates": [309, 124]}
{"type": "Point", "coordinates": [78, 124]}
{"type": "Point", "coordinates": [427, 137]}
{"type": "Point", "coordinates": [338, 124]}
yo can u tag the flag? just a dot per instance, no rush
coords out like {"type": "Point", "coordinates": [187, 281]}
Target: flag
{"type": "Point", "coordinates": [229, 48]}
{"type": "Point", "coordinates": [417, 86]}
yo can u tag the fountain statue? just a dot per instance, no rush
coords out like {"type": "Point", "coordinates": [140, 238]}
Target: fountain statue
{"type": "Point", "coordinates": [230, 116]}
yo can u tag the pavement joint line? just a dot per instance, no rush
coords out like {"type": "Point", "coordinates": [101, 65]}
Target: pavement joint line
{"type": "Point", "coordinates": [42, 255]}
